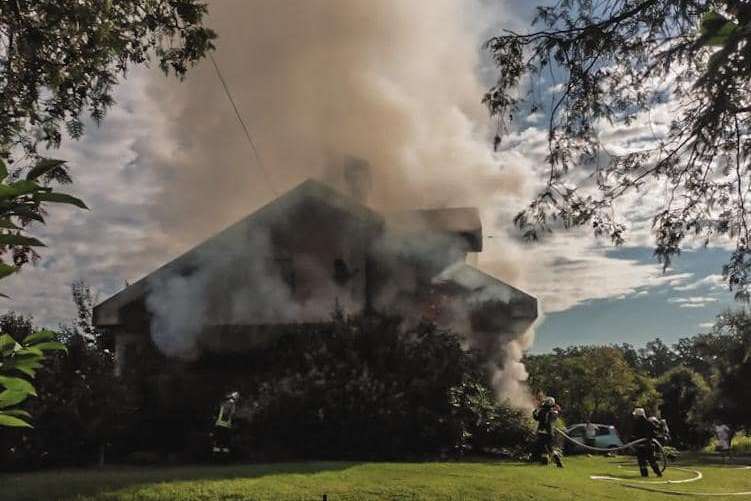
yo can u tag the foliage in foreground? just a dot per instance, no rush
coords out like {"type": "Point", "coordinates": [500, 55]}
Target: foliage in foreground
{"type": "Point", "coordinates": [23, 201]}
{"type": "Point", "coordinates": [81, 407]}
{"type": "Point", "coordinates": [612, 63]}
{"type": "Point", "coordinates": [61, 60]}
{"type": "Point", "coordinates": [19, 362]}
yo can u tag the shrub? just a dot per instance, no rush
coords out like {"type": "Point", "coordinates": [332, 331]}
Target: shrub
{"type": "Point", "coordinates": [486, 425]}
{"type": "Point", "coordinates": [364, 388]}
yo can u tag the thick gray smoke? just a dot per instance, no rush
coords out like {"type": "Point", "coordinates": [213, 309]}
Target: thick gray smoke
{"type": "Point", "coordinates": [394, 82]}
{"type": "Point", "coordinates": [184, 305]}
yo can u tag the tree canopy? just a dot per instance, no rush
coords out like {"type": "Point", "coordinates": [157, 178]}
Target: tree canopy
{"type": "Point", "coordinates": [62, 58]}
{"type": "Point", "coordinates": [59, 62]}
{"type": "Point", "coordinates": [616, 60]}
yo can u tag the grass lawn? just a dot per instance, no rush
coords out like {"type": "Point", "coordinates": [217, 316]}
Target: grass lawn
{"type": "Point", "coordinates": [502, 480]}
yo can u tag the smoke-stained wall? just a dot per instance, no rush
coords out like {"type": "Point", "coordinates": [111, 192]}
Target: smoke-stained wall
{"type": "Point", "coordinates": [392, 82]}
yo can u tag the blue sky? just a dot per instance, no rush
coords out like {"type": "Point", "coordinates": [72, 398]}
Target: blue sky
{"type": "Point", "coordinates": [388, 81]}
{"type": "Point", "coordinates": [648, 313]}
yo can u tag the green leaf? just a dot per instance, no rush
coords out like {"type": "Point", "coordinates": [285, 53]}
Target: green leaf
{"type": "Point", "coordinates": [14, 190]}
{"type": "Point", "coordinates": [16, 413]}
{"type": "Point", "coordinates": [716, 29]}
{"type": "Point", "coordinates": [9, 398]}
{"type": "Point", "coordinates": [12, 421]}
{"type": "Point", "coordinates": [51, 346]}
{"type": "Point", "coordinates": [6, 223]}
{"type": "Point", "coordinates": [60, 198]}
{"type": "Point", "coordinates": [40, 336]}
{"type": "Point", "coordinates": [18, 384]}
{"type": "Point", "coordinates": [3, 170]}
{"type": "Point", "coordinates": [10, 239]}
{"type": "Point", "coordinates": [8, 344]}
{"type": "Point", "coordinates": [6, 269]}
{"type": "Point", "coordinates": [29, 353]}
{"type": "Point", "coordinates": [44, 166]}
{"type": "Point", "coordinates": [26, 213]}
{"type": "Point", "coordinates": [27, 367]}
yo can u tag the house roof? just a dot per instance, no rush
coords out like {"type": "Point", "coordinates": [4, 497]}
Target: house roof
{"type": "Point", "coordinates": [107, 312]}
{"type": "Point", "coordinates": [464, 221]}
{"type": "Point", "coordinates": [483, 287]}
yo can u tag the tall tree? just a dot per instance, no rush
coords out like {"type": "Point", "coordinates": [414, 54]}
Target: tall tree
{"type": "Point", "coordinates": [683, 393]}
{"type": "Point", "coordinates": [592, 382]}
{"type": "Point", "coordinates": [615, 60]}
{"type": "Point", "coordinates": [59, 61]}
{"type": "Point", "coordinates": [730, 389]}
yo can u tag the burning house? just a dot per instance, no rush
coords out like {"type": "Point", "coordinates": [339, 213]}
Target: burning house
{"type": "Point", "coordinates": [294, 261]}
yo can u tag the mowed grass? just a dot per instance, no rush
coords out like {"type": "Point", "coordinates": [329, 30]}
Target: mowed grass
{"type": "Point", "coordinates": [486, 480]}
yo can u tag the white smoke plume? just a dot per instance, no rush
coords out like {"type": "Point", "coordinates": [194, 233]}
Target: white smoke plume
{"type": "Point", "coordinates": [393, 82]}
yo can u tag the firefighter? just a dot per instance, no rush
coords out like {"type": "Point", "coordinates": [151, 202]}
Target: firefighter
{"type": "Point", "coordinates": [662, 432]}
{"type": "Point", "coordinates": [645, 452]}
{"type": "Point", "coordinates": [546, 415]}
{"type": "Point", "coordinates": [223, 423]}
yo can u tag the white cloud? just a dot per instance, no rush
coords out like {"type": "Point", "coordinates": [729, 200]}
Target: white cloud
{"type": "Point", "coordinates": [114, 172]}
{"type": "Point", "coordinates": [571, 268]}
{"type": "Point", "coordinates": [712, 282]}
{"type": "Point", "coordinates": [693, 299]}
{"type": "Point", "coordinates": [692, 302]}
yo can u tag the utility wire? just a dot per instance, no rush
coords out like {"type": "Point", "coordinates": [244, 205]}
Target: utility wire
{"type": "Point", "coordinates": [245, 127]}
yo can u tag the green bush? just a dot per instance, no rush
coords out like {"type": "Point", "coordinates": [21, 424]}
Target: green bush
{"type": "Point", "coordinates": [81, 408]}
{"type": "Point", "coordinates": [740, 445]}
{"type": "Point", "coordinates": [364, 388]}
{"type": "Point", "coordinates": [487, 425]}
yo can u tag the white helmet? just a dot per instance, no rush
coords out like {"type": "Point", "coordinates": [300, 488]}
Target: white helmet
{"type": "Point", "coordinates": [233, 396]}
{"type": "Point", "coordinates": [549, 401]}
{"type": "Point", "coordinates": [639, 412]}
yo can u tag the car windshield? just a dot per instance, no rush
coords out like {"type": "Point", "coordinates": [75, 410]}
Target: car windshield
{"type": "Point", "coordinates": [576, 431]}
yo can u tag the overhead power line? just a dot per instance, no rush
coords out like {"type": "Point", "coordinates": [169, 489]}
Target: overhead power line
{"type": "Point", "coordinates": [252, 143]}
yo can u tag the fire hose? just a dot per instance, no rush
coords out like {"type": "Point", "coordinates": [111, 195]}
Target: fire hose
{"type": "Point", "coordinates": [645, 485]}
{"type": "Point", "coordinates": [662, 458]}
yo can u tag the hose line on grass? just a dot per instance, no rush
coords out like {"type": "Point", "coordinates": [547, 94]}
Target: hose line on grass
{"type": "Point", "coordinates": [602, 449]}
{"type": "Point", "coordinates": [660, 451]}
{"type": "Point", "coordinates": [644, 485]}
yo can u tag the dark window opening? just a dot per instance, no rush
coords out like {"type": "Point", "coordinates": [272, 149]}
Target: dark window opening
{"type": "Point", "coordinates": [287, 272]}
{"type": "Point", "coordinates": [342, 272]}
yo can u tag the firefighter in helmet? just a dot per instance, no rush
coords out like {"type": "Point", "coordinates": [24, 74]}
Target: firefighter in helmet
{"type": "Point", "coordinates": [546, 415]}
{"type": "Point", "coordinates": [645, 451]}
{"type": "Point", "coordinates": [223, 423]}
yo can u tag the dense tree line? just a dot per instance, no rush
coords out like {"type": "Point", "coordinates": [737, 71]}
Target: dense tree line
{"type": "Point", "coordinates": [694, 383]}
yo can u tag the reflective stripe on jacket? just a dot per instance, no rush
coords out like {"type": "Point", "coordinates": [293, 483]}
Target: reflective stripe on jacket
{"type": "Point", "coordinates": [226, 411]}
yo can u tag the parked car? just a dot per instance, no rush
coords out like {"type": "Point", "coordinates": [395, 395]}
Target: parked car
{"type": "Point", "coordinates": [606, 437]}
